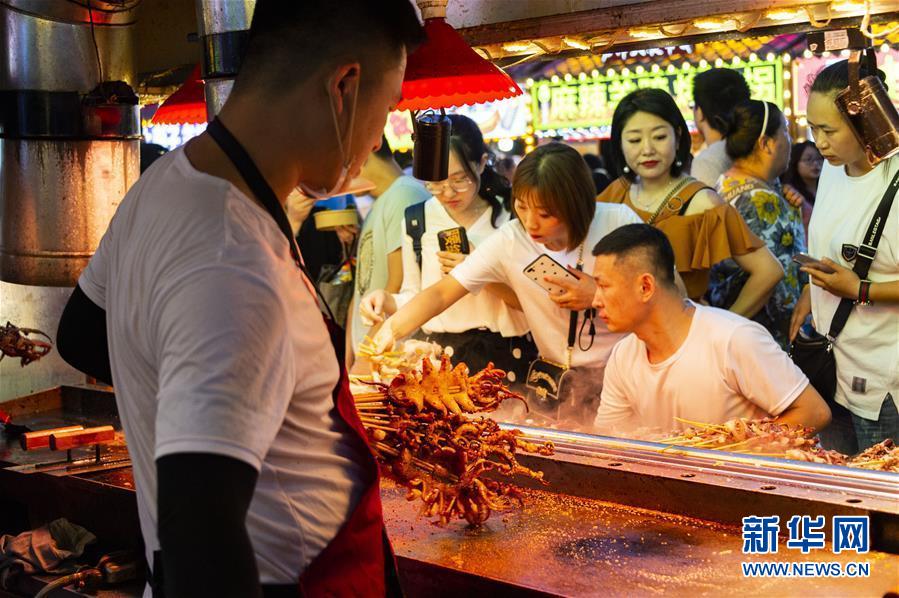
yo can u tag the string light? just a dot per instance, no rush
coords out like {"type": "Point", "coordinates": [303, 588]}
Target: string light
{"type": "Point", "coordinates": [568, 77]}
{"type": "Point", "coordinates": [703, 63]}
{"type": "Point", "coordinates": [644, 33]}
{"type": "Point", "coordinates": [712, 24]}
{"type": "Point", "coordinates": [594, 73]}
{"type": "Point", "coordinates": [787, 58]}
{"type": "Point", "coordinates": [719, 62]}
{"type": "Point", "coordinates": [554, 79]}
{"type": "Point", "coordinates": [847, 5]}
{"type": "Point", "coordinates": [753, 57]}
{"type": "Point", "coordinates": [610, 73]}
{"type": "Point", "coordinates": [640, 70]}
{"type": "Point", "coordinates": [578, 44]}
{"type": "Point", "coordinates": [787, 94]}
{"type": "Point", "coordinates": [582, 76]}
{"type": "Point", "coordinates": [655, 67]}
{"type": "Point", "coordinates": [784, 14]}
{"type": "Point", "coordinates": [517, 48]}
{"type": "Point", "coordinates": [529, 82]}
{"type": "Point", "coordinates": [787, 75]}
{"type": "Point", "coordinates": [770, 57]}
{"type": "Point", "coordinates": [787, 111]}
{"type": "Point", "coordinates": [885, 48]}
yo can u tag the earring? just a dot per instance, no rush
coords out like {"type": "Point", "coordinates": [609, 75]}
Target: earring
{"type": "Point", "coordinates": [626, 170]}
{"type": "Point", "coordinates": [679, 163]}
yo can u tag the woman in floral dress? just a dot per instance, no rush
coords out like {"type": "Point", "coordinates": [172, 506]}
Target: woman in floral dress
{"type": "Point", "coordinates": [758, 142]}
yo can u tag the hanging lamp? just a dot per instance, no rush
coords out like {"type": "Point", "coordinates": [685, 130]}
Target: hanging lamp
{"type": "Point", "coordinates": [444, 72]}
{"type": "Point", "coordinates": [186, 106]}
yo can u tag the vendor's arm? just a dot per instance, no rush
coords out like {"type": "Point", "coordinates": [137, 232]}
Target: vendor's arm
{"type": "Point", "coordinates": [845, 283]}
{"type": "Point", "coordinates": [809, 409]}
{"type": "Point", "coordinates": [81, 337]}
{"type": "Point", "coordinates": [224, 386]}
{"type": "Point", "coordinates": [205, 547]}
{"type": "Point", "coordinates": [764, 273]}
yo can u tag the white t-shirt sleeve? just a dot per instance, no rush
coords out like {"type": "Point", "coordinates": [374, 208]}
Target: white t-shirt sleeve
{"type": "Point", "coordinates": [759, 370]}
{"type": "Point", "coordinates": [226, 369]}
{"type": "Point", "coordinates": [628, 216]}
{"type": "Point", "coordinates": [93, 278]}
{"type": "Point", "coordinates": [614, 407]}
{"type": "Point", "coordinates": [484, 265]}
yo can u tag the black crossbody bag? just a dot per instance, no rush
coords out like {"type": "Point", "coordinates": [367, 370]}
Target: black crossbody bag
{"type": "Point", "coordinates": [814, 355]}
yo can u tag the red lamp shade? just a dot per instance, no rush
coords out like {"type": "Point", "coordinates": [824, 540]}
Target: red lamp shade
{"type": "Point", "coordinates": [445, 71]}
{"type": "Point", "coordinates": [186, 106]}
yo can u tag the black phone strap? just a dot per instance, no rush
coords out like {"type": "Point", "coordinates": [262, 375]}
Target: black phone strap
{"type": "Point", "coordinates": [263, 192]}
{"type": "Point", "coordinates": [865, 256]}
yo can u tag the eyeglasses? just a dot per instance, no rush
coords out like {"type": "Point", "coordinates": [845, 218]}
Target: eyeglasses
{"type": "Point", "coordinates": [459, 184]}
{"type": "Point", "coordinates": [813, 161]}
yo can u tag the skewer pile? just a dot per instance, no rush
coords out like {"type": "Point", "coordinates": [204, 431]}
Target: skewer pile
{"type": "Point", "coordinates": [425, 429]}
{"type": "Point", "coordinates": [767, 438]}
{"type": "Point", "coordinates": [883, 456]}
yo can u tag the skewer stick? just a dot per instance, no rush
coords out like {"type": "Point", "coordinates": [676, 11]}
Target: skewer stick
{"type": "Point", "coordinates": [700, 424]}
{"type": "Point", "coordinates": [733, 444]}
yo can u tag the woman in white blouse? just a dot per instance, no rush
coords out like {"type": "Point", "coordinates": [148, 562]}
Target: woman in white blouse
{"type": "Point", "coordinates": [479, 328]}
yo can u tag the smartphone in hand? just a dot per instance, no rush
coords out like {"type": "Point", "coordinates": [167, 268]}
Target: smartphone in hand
{"type": "Point", "coordinates": [454, 240]}
{"type": "Point", "coordinates": [545, 266]}
{"type": "Point", "coordinates": [803, 259]}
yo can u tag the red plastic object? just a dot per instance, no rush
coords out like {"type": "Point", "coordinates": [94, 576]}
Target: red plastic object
{"type": "Point", "coordinates": [186, 106]}
{"type": "Point", "coordinates": [445, 72]}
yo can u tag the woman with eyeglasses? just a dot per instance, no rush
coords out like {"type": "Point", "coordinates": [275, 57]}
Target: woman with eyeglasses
{"type": "Point", "coordinates": [803, 174]}
{"type": "Point", "coordinates": [480, 328]}
{"type": "Point", "coordinates": [651, 145]}
{"type": "Point", "coordinates": [758, 145]}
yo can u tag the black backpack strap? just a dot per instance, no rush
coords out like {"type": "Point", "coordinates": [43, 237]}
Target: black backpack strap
{"type": "Point", "coordinates": [865, 256]}
{"type": "Point", "coordinates": [415, 228]}
{"type": "Point", "coordinates": [688, 193]}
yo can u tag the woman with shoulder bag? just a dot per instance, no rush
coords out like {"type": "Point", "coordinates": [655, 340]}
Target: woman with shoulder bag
{"type": "Point", "coordinates": [544, 256]}
{"type": "Point", "coordinates": [474, 198]}
{"type": "Point", "coordinates": [651, 144]}
{"type": "Point", "coordinates": [851, 210]}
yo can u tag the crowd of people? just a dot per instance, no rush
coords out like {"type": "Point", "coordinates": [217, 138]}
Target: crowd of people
{"type": "Point", "coordinates": [646, 288]}
{"type": "Point", "coordinates": [735, 217]}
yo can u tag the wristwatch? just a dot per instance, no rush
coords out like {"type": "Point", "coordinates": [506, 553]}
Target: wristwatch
{"type": "Point", "coordinates": [864, 293]}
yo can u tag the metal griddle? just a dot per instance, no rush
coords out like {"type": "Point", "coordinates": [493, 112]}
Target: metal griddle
{"type": "Point", "coordinates": [619, 517]}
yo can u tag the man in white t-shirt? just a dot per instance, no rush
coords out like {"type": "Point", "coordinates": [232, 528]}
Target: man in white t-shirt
{"type": "Point", "coordinates": [248, 457]}
{"type": "Point", "coordinates": [684, 360]}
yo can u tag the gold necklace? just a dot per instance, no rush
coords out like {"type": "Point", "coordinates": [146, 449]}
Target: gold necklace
{"type": "Point", "coordinates": [647, 207]}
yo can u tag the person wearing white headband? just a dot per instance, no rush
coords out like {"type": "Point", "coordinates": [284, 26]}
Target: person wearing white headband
{"type": "Point", "coordinates": [758, 143]}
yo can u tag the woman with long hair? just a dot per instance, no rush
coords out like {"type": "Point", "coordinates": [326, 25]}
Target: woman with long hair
{"type": "Point", "coordinates": [479, 328]}
{"type": "Point", "coordinates": [758, 145]}
{"type": "Point", "coordinates": [651, 144]}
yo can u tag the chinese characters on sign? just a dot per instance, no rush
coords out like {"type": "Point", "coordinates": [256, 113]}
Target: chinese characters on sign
{"type": "Point", "coordinates": [590, 102]}
{"type": "Point", "coordinates": [849, 534]}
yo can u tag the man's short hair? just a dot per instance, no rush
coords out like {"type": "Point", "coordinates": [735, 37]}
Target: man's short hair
{"type": "Point", "coordinates": [645, 242]}
{"type": "Point", "coordinates": [716, 92]}
{"type": "Point", "coordinates": [290, 39]}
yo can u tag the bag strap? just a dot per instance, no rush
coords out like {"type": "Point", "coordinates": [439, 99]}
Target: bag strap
{"type": "Point", "coordinates": [865, 255]}
{"type": "Point", "coordinates": [572, 320]}
{"type": "Point", "coordinates": [264, 193]}
{"type": "Point", "coordinates": [415, 228]}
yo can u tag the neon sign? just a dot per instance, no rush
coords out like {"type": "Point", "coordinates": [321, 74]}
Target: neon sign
{"type": "Point", "coordinates": [589, 102]}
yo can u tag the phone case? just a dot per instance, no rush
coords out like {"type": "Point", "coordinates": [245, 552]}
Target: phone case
{"type": "Point", "coordinates": [453, 240]}
{"type": "Point", "coordinates": [807, 260]}
{"type": "Point", "coordinates": [547, 266]}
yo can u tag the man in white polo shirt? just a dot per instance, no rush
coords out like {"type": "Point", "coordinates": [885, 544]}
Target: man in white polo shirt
{"type": "Point", "coordinates": [685, 360]}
